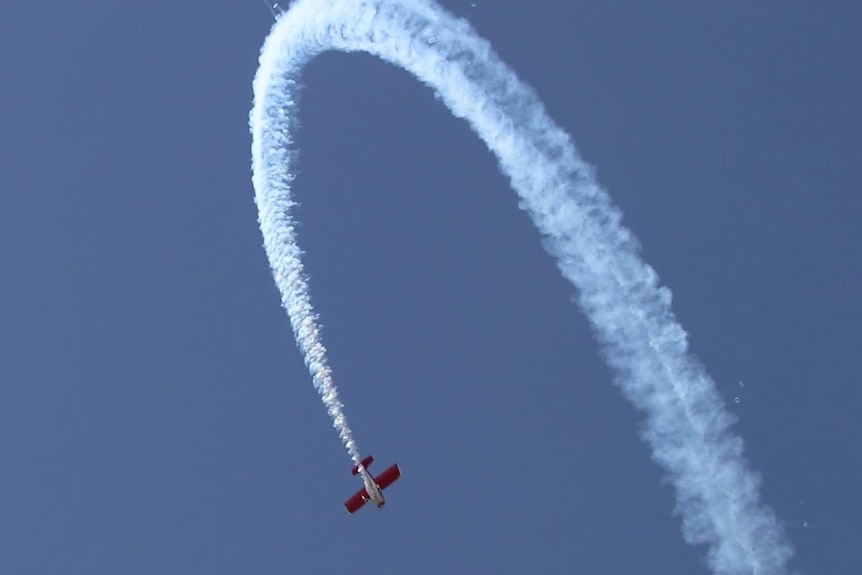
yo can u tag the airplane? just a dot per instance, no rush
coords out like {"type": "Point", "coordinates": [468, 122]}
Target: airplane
{"type": "Point", "coordinates": [374, 486]}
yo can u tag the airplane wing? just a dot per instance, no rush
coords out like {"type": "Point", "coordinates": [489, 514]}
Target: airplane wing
{"type": "Point", "coordinates": [356, 502]}
{"type": "Point", "coordinates": [388, 477]}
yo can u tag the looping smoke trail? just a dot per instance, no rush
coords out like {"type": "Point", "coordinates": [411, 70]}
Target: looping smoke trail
{"type": "Point", "coordinates": [686, 425]}
{"type": "Point", "coordinates": [272, 183]}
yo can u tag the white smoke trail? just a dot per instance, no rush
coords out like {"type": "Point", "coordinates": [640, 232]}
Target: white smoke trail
{"type": "Point", "coordinates": [272, 181]}
{"type": "Point", "coordinates": [686, 421]}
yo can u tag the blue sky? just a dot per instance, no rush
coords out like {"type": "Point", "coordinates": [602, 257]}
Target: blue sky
{"type": "Point", "coordinates": [156, 415]}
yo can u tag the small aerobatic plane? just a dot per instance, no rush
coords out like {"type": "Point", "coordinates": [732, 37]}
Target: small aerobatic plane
{"type": "Point", "coordinates": [374, 486]}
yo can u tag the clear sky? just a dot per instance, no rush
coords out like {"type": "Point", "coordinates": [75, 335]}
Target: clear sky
{"type": "Point", "coordinates": [156, 417]}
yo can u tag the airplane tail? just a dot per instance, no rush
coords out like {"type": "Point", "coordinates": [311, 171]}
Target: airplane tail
{"type": "Point", "coordinates": [366, 463]}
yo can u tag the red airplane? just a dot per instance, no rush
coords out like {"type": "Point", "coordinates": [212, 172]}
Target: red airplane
{"type": "Point", "coordinates": [374, 486]}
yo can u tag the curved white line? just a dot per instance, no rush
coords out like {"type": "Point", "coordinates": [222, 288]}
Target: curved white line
{"type": "Point", "coordinates": [686, 421]}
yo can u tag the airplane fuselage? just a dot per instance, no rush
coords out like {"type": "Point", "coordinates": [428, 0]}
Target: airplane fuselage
{"type": "Point", "coordinates": [374, 493]}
